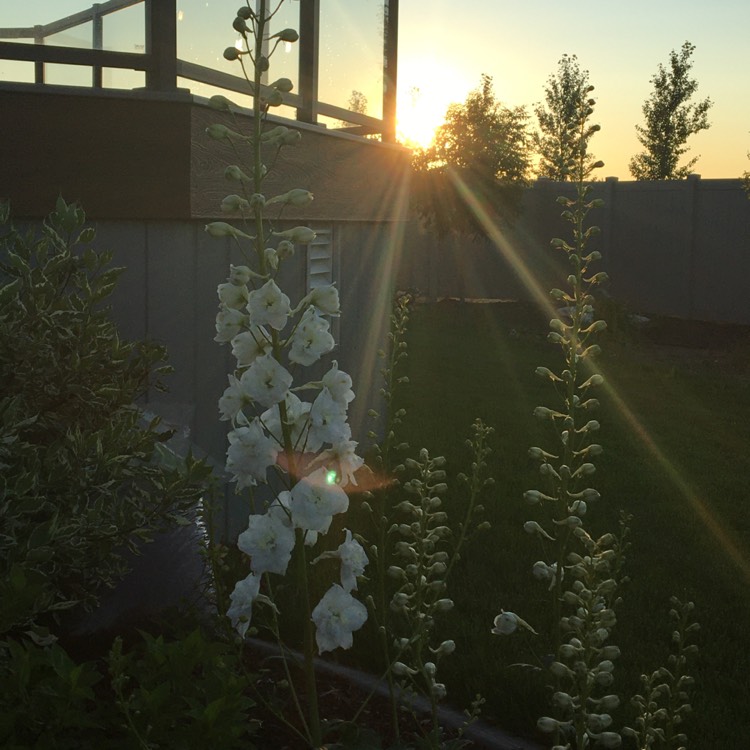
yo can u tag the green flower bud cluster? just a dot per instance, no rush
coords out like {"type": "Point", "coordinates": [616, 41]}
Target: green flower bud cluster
{"type": "Point", "coordinates": [664, 702]}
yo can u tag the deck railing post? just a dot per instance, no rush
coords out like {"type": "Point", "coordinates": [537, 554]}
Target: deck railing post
{"type": "Point", "coordinates": [97, 42]}
{"type": "Point", "coordinates": [38, 64]}
{"type": "Point", "coordinates": [390, 69]}
{"type": "Point", "coordinates": [161, 44]}
{"type": "Point", "coordinates": [309, 58]}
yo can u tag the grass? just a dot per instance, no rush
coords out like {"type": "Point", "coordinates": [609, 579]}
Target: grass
{"type": "Point", "coordinates": [678, 462]}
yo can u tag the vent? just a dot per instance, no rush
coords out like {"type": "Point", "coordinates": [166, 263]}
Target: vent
{"type": "Point", "coordinates": [320, 267]}
{"type": "Point", "coordinates": [320, 260]}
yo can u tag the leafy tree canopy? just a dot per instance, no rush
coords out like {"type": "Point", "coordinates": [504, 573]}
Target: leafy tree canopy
{"type": "Point", "coordinates": [561, 142]}
{"type": "Point", "coordinates": [670, 119]}
{"type": "Point", "coordinates": [483, 150]}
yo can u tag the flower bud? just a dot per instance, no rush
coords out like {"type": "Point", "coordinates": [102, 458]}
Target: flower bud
{"type": "Point", "coordinates": [505, 623]}
{"type": "Point", "coordinates": [220, 132]}
{"type": "Point", "coordinates": [532, 527]}
{"type": "Point", "coordinates": [598, 722]}
{"type": "Point", "coordinates": [286, 35]}
{"type": "Point", "coordinates": [532, 497]}
{"type": "Point", "coordinates": [233, 172]}
{"type": "Point", "coordinates": [610, 652]}
{"type": "Point", "coordinates": [446, 647]}
{"type": "Point", "coordinates": [283, 84]}
{"type": "Point", "coordinates": [559, 669]}
{"type": "Point", "coordinates": [609, 702]}
{"type": "Point", "coordinates": [220, 103]}
{"type": "Point", "coordinates": [610, 740]}
{"type": "Point", "coordinates": [222, 229]}
{"type": "Point", "coordinates": [401, 670]}
{"type": "Point", "coordinates": [547, 724]}
{"type": "Point", "coordinates": [239, 275]}
{"type": "Point", "coordinates": [297, 235]}
{"type": "Point", "coordinates": [438, 691]}
{"type": "Point", "coordinates": [563, 700]}
{"type": "Point", "coordinates": [231, 53]}
{"type": "Point", "coordinates": [234, 203]}
{"type": "Point", "coordinates": [296, 197]}
{"type": "Point", "coordinates": [285, 249]}
{"type": "Point", "coordinates": [240, 25]}
{"type": "Point", "coordinates": [443, 605]}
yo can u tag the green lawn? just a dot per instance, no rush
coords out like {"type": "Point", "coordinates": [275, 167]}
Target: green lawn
{"type": "Point", "coordinates": [677, 460]}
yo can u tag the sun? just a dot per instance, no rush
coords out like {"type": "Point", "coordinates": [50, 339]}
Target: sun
{"type": "Point", "coordinates": [423, 101]}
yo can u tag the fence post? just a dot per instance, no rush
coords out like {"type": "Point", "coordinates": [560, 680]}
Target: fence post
{"type": "Point", "coordinates": [608, 235]}
{"type": "Point", "coordinates": [693, 182]}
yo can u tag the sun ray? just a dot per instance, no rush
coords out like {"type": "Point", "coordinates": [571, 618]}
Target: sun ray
{"type": "Point", "coordinates": [541, 296]}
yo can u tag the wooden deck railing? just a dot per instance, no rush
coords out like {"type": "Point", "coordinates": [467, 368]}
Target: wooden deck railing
{"type": "Point", "coordinates": [162, 67]}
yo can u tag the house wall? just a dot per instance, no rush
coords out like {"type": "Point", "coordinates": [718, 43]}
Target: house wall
{"type": "Point", "coordinates": [149, 179]}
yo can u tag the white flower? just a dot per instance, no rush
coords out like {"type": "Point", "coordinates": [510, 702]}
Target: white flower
{"type": "Point", "coordinates": [266, 381]}
{"type": "Point", "coordinates": [233, 295]}
{"type": "Point", "coordinates": [328, 419]}
{"type": "Point", "coordinates": [311, 338]}
{"type": "Point", "coordinates": [269, 306]}
{"type": "Point", "coordinates": [281, 508]}
{"type": "Point", "coordinates": [344, 455]}
{"type": "Point", "coordinates": [249, 345]}
{"type": "Point", "coordinates": [229, 323]}
{"type": "Point", "coordinates": [315, 502]}
{"type": "Point", "coordinates": [339, 384]}
{"type": "Point", "coordinates": [250, 454]}
{"type": "Point", "coordinates": [326, 299]}
{"type": "Point", "coordinates": [337, 615]}
{"type": "Point", "coordinates": [353, 561]}
{"type": "Point", "coordinates": [233, 399]}
{"type": "Point", "coordinates": [269, 542]}
{"type": "Point", "coordinates": [296, 418]}
{"type": "Point", "coordinates": [242, 598]}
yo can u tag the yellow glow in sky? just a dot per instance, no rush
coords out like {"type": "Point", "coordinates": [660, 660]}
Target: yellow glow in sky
{"type": "Point", "coordinates": [445, 46]}
{"type": "Point", "coordinates": [422, 103]}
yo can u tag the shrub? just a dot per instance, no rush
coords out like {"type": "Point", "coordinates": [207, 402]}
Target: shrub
{"type": "Point", "coordinates": [81, 478]}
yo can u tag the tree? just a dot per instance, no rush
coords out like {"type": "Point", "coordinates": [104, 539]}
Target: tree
{"type": "Point", "coordinates": [483, 149]}
{"type": "Point", "coordinates": [561, 142]}
{"type": "Point", "coordinates": [670, 119]}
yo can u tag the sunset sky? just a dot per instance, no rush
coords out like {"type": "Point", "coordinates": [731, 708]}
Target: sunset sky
{"type": "Point", "coordinates": [443, 51]}
{"type": "Point", "coordinates": [445, 46]}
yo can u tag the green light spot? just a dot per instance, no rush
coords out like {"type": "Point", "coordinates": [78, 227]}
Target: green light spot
{"type": "Point", "coordinates": [331, 477]}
